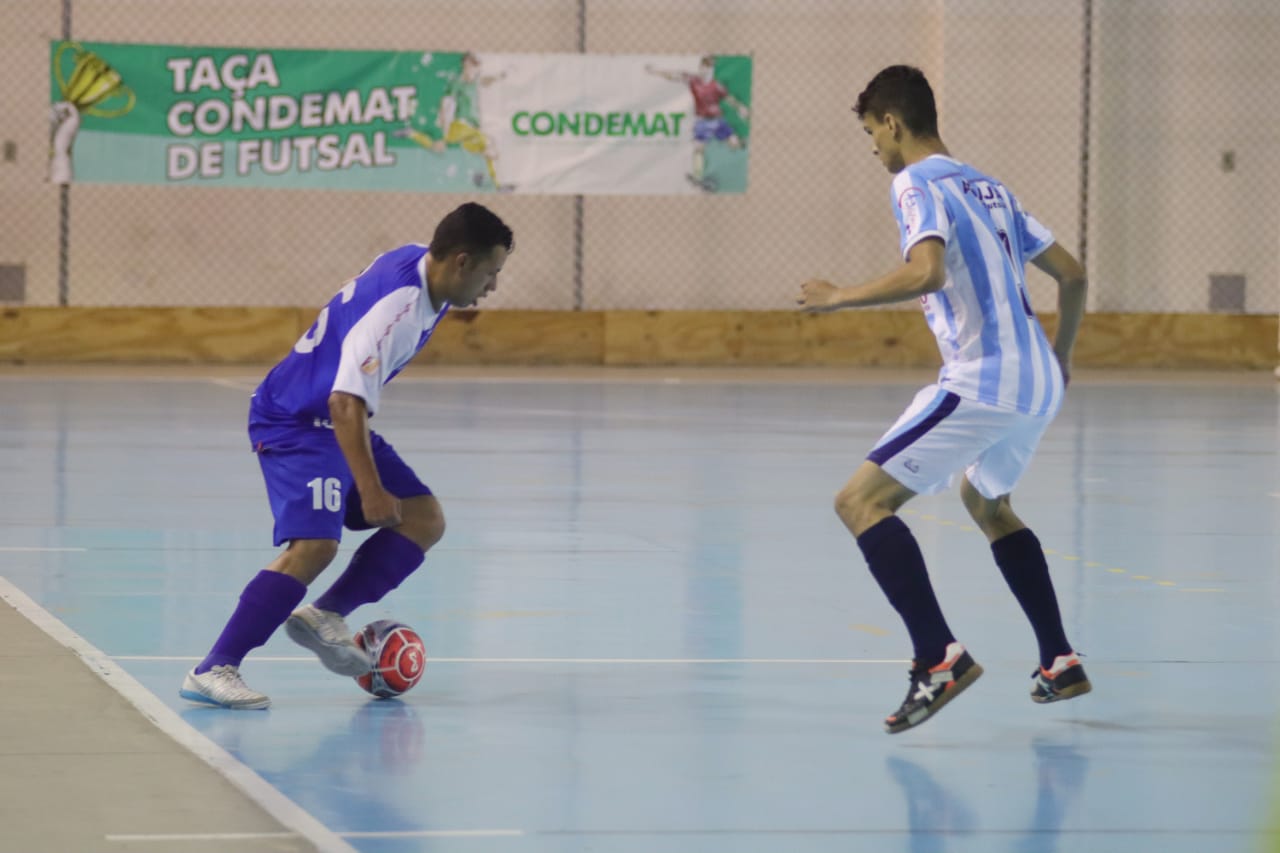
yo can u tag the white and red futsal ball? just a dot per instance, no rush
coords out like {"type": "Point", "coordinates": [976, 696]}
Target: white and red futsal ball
{"type": "Point", "coordinates": [398, 654]}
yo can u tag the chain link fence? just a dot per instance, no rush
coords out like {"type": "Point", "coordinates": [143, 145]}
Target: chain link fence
{"type": "Point", "coordinates": [1141, 132]}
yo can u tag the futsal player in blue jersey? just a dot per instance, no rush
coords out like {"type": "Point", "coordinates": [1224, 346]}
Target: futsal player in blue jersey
{"type": "Point", "coordinates": [326, 469]}
{"type": "Point", "coordinates": [965, 244]}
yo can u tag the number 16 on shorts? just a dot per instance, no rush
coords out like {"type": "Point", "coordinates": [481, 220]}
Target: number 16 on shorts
{"type": "Point", "coordinates": [326, 493]}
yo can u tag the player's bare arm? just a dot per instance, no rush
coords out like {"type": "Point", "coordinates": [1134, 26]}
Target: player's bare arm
{"type": "Point", "coordinates": [351, 428]}
{"type": "Point", "coordinates": [924, 272]}
{"type": "Point", "coordinates": [673, 76]}
{"type": "Point", "coordinates": [1062, 266]}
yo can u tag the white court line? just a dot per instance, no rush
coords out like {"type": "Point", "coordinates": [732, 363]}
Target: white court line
{"type": "Point", "coordinates": [206, 836]}
{"type": "Point", "coordinates": [274, 803]}
{"type": "Point", "coordinates": [440, 833]}
{"type": "Point", "coordinates": [668, 661]}
{"type": "Point", "coordinates": [725, 418]}
{"type": "Point", "coordinates": [21, 550]}
{"type": "Point", "coordinates": [264, 836]}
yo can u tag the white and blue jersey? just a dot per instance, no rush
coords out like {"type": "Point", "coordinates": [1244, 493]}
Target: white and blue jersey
{"type": "Point", "coordinates": [993, 348]}
{"type": "Point", "coordinates": [366, 335]}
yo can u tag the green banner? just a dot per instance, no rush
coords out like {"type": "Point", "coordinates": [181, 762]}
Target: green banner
{"type": "Point", "coordinates": [410, 121]}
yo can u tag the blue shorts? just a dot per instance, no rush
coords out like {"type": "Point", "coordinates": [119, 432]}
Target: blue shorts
{"type": "Point", "coordinates": [711, 128]}
{"type": "Point", "coordinates": [309, 483]}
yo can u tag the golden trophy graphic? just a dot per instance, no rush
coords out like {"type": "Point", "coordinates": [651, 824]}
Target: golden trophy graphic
{"type": "Point", "coordinates": [93, 88]}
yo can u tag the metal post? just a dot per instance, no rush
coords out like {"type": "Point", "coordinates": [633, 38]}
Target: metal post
{"type": "Point", "coordinates": [578, 297]}
{"type": "Point", "coordinates": [1086, 106]}
{"type": "Point", "coordinates": [64, 199]}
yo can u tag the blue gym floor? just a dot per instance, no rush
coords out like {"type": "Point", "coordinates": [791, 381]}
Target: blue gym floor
{"type": "Point", "coordinates": [648, 631]}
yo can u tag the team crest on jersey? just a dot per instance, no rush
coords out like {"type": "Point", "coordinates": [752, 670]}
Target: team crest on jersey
{"type": "Point", "coordinates": [370, 365]}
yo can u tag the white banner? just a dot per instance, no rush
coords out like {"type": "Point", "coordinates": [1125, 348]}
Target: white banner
{"type": "Point", "coordinates": [625, 125]}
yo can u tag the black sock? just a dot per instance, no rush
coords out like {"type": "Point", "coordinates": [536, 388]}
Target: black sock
{"type": "Point", "coordinates": [898, 566]}
{"type": "Point", "coordinates": [1021, 561]}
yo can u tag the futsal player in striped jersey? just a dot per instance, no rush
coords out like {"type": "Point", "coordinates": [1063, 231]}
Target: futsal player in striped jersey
{"type": "Point", "coordinates": [965, 243]}
{"type": "Point", "coordinates": [326, 469]}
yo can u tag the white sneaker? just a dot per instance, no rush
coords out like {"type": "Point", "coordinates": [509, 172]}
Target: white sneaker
{"type": "Point", "coordinates": [326, 633]}
{"type": "Point", "coordinates": [223, 687]}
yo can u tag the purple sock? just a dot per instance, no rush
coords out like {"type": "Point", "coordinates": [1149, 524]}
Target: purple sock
{"type": "Point", "coordinates": [1021, 561]}
{"type": "Point", "coordinates": [265, 603]}
{"type": "Point", "coordinates": [378, 566]}
{"type": "Point", "coordinates": [898, 566]}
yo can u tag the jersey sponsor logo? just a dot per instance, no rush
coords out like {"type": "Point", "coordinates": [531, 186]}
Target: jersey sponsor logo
{"type": "Point", "coordinates": [405, 309]}
{"type": "Point", "coordinates": [911, 203]}
{"type": "Point", "coordinates": [985, 192]}
{"type": "Point", "coordinates": [370, 365]}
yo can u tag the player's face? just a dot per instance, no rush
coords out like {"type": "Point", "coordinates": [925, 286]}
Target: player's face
{"type": "Point", "coordinates": [477, 275]}
{"type": "Point", "coordinates": [884, 143]}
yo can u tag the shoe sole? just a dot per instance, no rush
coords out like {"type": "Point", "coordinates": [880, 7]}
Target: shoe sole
{"type": "Point", "coordinates": [961, 684]}
{"type": "Point", "coordinates": [1078, 689]}
{"type": "Point", "coordinates": [344, 660]}
{"type": "Point", "coordinates": [201, 699]}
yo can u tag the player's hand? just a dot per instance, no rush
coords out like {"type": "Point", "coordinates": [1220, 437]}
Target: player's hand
{"type": "Point", "coordinates": [381, 508]}
{"type": "Point", "coordinates": [817, 295]}
{"type": "Point", "coordinates": [1065, 365]}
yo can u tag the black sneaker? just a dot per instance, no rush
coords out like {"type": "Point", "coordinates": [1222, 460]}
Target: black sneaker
{"type": "Point", "coordinates": [1064, 680]}
{"type": "Point", "coordinates": [933, 687]}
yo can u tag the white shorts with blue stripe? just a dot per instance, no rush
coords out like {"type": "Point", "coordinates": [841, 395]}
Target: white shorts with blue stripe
{"type": "Point", "coordinates": [941, 434]}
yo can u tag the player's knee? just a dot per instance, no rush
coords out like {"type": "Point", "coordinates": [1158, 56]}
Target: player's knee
{"type": "Point", "coordinates": [994, 516]}
{"type": "Point", "coordinates": [423, 521]}
{"type": "Point", "coordinates": [314, 551]}
{"type": "Point", "coordinates": [304, 559]}
{"type": "Point", "coordinates": [433, 531]}
{"type": "Point", "coordinates": [853, 507]}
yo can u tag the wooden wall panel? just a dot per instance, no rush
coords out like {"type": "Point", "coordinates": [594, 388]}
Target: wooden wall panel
{"type": "Point", "coordinates": [151, 335]}
{"type": "Point", "coordinates": [632, 338]}
{"type": "Point", "coordinates": [517, 337]}
{"type": "Point", "coordinates": [765, 338]}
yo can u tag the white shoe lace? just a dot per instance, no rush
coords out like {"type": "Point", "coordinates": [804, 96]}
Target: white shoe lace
{"type": "Point", "coordinates": [226, 685]}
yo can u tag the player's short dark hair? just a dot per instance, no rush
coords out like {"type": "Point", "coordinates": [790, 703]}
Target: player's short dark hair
{"type": "Point", "coordinates": [471, 228]}
{"type": "Point", "coordinates": [903, 91]}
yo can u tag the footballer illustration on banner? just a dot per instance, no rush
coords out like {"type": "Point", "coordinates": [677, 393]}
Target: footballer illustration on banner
{"type": "Point", "coordinates": [457, 121]}
{"type": "Point", "coordinates": [710, 124]}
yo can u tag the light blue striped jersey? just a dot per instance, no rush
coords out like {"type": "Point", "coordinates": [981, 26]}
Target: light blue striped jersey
{"type": "Point", "coordinates": [993, 348]}
{"type": "Point", "coordinates": [366, 335]}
